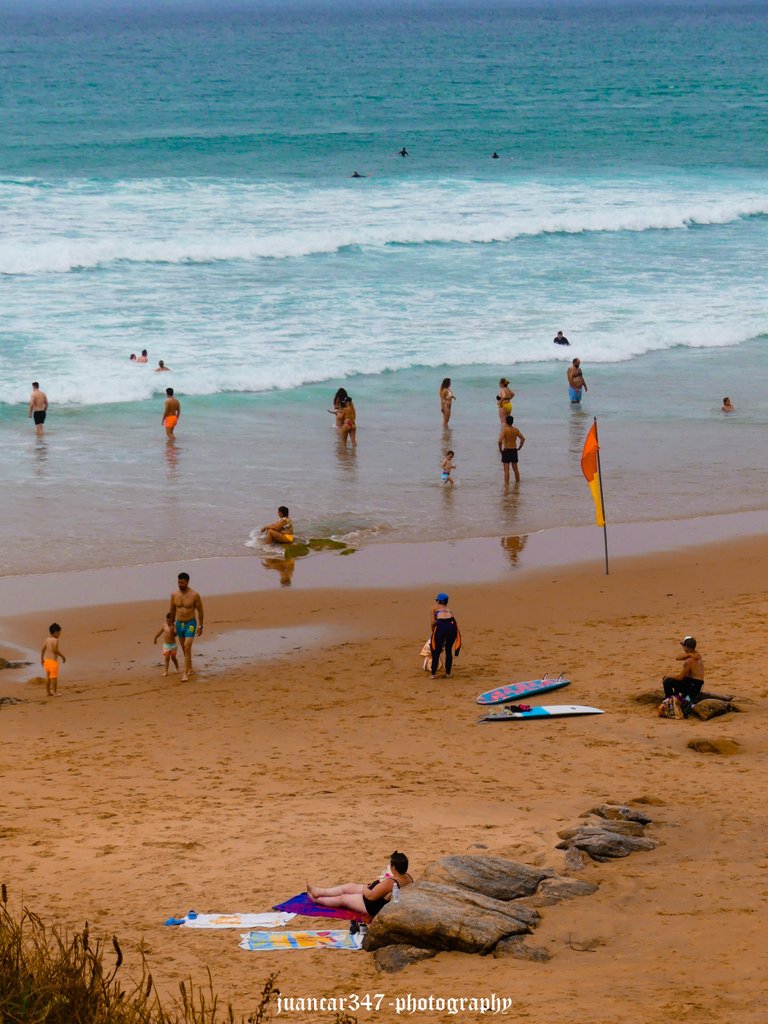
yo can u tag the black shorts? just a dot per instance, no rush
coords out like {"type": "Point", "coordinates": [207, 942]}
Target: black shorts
{"type": "Point", "coordinates": [509, 455]}
{"type": "Point", "coordinates": [39, 417]}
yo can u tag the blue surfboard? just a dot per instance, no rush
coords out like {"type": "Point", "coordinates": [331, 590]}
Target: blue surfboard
{"type": "Point", "coordinates": [546, 711]}
{"type": "Point", "coordinates": [517, 691]}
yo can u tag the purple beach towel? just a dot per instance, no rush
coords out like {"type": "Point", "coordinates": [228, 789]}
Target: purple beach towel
{"type": "Point", "coordinates": [303, 905]}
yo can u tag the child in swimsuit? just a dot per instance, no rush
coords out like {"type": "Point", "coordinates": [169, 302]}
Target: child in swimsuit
{"type": "Point", "coordinates": [168, 633]}
{"type": "Point", "coordinates": [49, 659]}
{"type": "Point", "coordinates": [447, 466]}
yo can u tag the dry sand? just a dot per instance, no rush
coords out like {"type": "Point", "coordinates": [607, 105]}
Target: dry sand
{"type": "Point", "coordinates": [132, 797]}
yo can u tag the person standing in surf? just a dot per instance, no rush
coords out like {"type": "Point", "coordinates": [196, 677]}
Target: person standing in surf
{"type": "Point", "coordinates": [38, 407]}
{"type": "Point", "coordinates": [576, 382]}
{"type": "Point", "coordinates": [509, 447]}
{"type": "Point", "coordinates": [447, 398]}
{"type": "Point", "coordinates": [504, 399]}
{"type": "Point", "coordinates": [348, 422]}
{"type": "Point", "coordinates": [171, 412]}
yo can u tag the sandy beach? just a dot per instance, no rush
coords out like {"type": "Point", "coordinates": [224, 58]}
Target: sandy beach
{"type": "Point", "coordinates": [131, 797]}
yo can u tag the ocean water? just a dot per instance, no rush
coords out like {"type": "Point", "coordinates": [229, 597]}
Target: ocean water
{"type": "Point", "coordinates": [178, 179]}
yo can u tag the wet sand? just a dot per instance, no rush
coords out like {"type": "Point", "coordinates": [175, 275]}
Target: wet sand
{"type": "Point", "coordinates": [132, 797]}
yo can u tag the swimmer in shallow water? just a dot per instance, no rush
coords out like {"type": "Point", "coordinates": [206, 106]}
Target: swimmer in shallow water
{"type": "Point", "coordinates": [504, 399]}
{"type": "Point", "coordinates": [171, 412]}
{"type": "Point", "coordinates": [446, 468]}
{"type": "Point", "coordinates": [280, 532]}
{"type": "Point", "coordinates": [727, 405]}
{"type": "Point", "coordinates": [447, 398]}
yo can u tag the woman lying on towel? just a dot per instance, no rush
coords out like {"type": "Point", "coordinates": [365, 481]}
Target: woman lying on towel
{"type": "Point", "coordinates": [365, 899]}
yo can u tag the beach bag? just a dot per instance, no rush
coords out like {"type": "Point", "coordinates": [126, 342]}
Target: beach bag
{"type": "Point", "coordinates": [671, 707]}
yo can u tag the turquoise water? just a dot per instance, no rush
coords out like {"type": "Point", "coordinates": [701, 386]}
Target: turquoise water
{"type": "Point", "coordinates": [178, 180]}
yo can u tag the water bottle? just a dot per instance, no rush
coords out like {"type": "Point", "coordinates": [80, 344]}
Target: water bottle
{"type": "Point", "coordinates": [396, 893]}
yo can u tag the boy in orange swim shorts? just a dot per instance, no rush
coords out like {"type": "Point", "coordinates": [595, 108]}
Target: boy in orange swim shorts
{"type": "Point", "coordinates": [49, 659]}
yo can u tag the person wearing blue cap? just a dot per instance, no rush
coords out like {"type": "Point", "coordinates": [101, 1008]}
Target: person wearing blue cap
{"type": "Point", "coordinates": [445, 635]}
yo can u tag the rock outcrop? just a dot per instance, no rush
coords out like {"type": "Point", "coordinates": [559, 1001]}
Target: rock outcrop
{"type": "Point", "coordinates": [434, 916]}
{"type": "Point", "coordinates": [492, 876]}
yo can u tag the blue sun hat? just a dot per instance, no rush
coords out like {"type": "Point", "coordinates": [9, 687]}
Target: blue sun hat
{"type": "Point", "coordinates": [442, 598]}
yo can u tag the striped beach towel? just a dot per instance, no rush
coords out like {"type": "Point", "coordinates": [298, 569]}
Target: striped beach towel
{"type": "Point", "coordinates": [336, 939]}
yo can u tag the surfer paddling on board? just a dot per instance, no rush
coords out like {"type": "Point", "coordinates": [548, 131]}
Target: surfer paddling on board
{"type": "Point", "coordinates": [366, 899]}
{"type": "Point", "coordinates": [445, 635]}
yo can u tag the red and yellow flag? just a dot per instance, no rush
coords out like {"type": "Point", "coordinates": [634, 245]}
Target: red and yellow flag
{"type": "Point", "coordinates": [591, 471]}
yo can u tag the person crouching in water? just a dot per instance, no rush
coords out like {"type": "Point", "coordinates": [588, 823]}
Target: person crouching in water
{"type": "Point", "coordinates": [445, 635]}
{"type": "Point", "coordinates": [281, 531]}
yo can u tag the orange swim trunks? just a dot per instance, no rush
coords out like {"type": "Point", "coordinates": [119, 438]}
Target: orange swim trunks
{"type": "Point", "coordinates": [170, 422]}
{"type": "Point", "coordinates": [51, 667]}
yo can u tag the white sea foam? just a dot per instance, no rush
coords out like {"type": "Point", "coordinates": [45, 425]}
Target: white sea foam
{"type": "Point", "coordinates": [180, 267]}
{"type": "Point", "coordinates": [75, 228]}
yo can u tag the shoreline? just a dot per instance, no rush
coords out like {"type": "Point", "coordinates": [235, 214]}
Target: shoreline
{"type": "Point", "coordinates": [380, 566]}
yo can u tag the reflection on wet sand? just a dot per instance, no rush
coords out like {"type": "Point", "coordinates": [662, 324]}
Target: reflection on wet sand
{"type": "Point", "coordinates": [41, 458]}
{"type": "Point", "coordinates": [172, 452]}
{"type": "Point", "coordinates": [283, 566]}
{"type": "Point", "coordinates": [513, 547]}
{"type": "Point", "coordinates": [578, 425]}
{"type": "Point", "coordinates": [346, 456]}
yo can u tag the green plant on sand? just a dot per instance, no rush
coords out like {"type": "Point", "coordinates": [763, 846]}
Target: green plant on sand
{"type": "Point", "coordinates": [50, 977]}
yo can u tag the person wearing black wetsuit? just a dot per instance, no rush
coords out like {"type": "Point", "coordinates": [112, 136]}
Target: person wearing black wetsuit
{"type": "Point", "coordinates": [445, 635]}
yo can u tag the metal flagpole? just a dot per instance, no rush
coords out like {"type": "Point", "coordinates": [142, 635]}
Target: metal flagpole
{"type": "Point", "coordinates": [602, 500]}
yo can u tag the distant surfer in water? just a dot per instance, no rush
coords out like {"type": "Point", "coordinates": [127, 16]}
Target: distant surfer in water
{"type": "Point", "coordinates": [357, 174]}
{"type": "Point", "coordinates": [403, 152]}
{"type": "Point", "coordinates": [495, 155]}
{"type": "Point", "coordinates": [560, 339]}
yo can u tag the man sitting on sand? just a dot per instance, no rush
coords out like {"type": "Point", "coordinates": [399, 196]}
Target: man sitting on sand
{"type": "Point", "coordinates": [365, 899]}
{"type": "Point", "coordinates": [280, 532]}
{"type": "Point", "coordinates": [689, 679]}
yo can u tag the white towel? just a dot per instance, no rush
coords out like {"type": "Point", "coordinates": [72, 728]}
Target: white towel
{"type": "Point", "coordinates": [275, 919]}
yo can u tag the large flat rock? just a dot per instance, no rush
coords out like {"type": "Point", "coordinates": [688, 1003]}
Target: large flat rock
{"type": "Point", "coordinates": [492, 876]}
{"type": "Point", "coordinates": [435, 916]}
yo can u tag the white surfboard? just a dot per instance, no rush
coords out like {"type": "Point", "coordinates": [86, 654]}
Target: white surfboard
{"type": "Point", "coordinates": [547, 711]}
